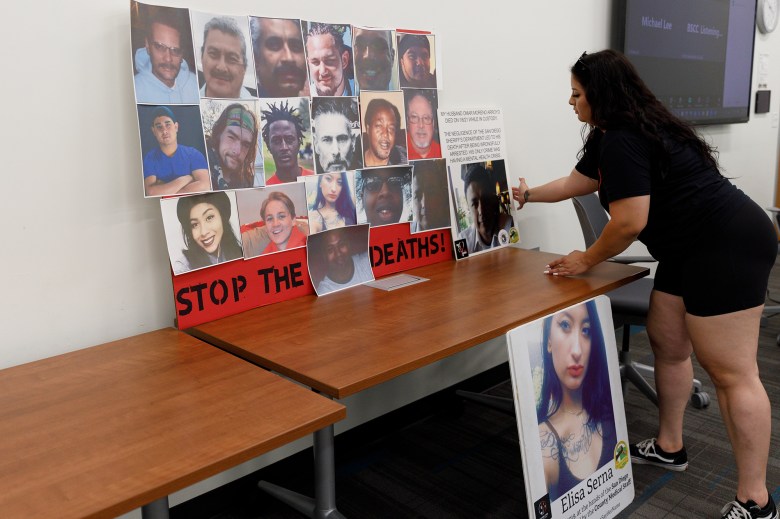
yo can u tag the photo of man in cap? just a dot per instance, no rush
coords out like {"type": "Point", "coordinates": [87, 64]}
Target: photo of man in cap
{"type": "Point", "coordinates": [171, 168]}
{"type": "Point", "coordinates": [233, 148]}
{"type": "Point", "coordinates": [415, 56]}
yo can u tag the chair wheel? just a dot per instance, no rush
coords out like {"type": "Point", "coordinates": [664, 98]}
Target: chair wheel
{"type": "Point", "coordinates": [700, 400]}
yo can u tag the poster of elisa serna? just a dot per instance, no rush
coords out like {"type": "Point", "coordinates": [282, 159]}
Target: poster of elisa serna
{"type": "Point", "coordinates": [570, 414]}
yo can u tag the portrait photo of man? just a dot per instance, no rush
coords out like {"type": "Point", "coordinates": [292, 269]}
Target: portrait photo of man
{"type": "Point", "coordinates": [336, 134]}
{"type": "Point", "coordinates": [487, 219]}
{"type": "Point", "coordinates": [329, 58]}
{"type": "Point", "coordinates": [384, 137]}
{"type": "Point", "coordinates": [280, 60]}
{"type": "Point", "coordinates": [232, 133]}
{"type": "Point", "coordinates": [338, 259]}
{"type": "Point", "coordinates": [375, 63]}
{"type": "Point", "coordinates": [422, 130]}
{"type": "Point", "coordinates": [384, 195]}
{"type": "Point", "coordinates": [416, 60]}
{"type": "Point", "coordinates": [224, 56]}
{"type": "Point", "coordinates": [285, 128]}
{"type": "Point", "coordinates": [163, 59]}
{"type": "Point", "coordinates": [430, 196]}
{"type": "Point", "coordinates": [171, 168]}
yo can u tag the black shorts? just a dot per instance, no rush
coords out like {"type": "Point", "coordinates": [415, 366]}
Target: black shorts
{"type": "Point", "coordinates": [728, 273]}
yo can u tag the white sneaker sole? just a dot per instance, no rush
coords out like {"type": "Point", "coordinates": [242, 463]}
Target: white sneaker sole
{"type": "Point", "coordinates": [667, 466]}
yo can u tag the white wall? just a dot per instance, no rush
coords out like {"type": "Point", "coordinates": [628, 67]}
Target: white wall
{"type": "Point", "coordinates": [83, 258]}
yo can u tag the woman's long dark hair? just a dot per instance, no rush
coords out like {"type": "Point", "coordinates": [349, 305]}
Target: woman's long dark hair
{"type": "Point", "coordinates": [596, 392]}
{"type": "Point", "coordinates": [230, 247]}
{"type": "Point", "coordinates": [344, 204]}
{"type": "Point", "coordinates": [619, 99]}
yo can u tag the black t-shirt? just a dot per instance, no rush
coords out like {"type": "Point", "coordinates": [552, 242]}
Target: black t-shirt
{"type": "Point", "coordinates": [687, 205]}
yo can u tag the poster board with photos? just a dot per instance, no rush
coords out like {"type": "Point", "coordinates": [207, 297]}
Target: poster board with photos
{"type": "Point", "coordinates": [473, 144]}
{"type": "Point", "coordinates": [570, 414]}
{"type": "Point", "coordinates": [219, 116]}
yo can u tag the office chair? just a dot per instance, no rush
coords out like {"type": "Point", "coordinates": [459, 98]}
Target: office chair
{"type": "Point", "coordinates": [630, 303]}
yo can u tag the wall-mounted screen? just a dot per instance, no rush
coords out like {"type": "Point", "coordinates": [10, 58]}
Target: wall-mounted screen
{"type": "Point", "coordinates": [695, 55]}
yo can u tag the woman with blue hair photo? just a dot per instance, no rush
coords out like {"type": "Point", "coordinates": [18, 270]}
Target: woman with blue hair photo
{"type": "Point", "coordinates": [333, 205]}
{"type": "Point", "coordinates": [574, 403]}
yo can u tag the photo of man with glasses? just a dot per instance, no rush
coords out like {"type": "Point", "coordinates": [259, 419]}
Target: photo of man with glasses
{"type": "Point", "coordinates": [422, 132]}
{"type": "Point", "coordinates": [162, 74]}
{"type": "Point", "coordinates": [384, 195]}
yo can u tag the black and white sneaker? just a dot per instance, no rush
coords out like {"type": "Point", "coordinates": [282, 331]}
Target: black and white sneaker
{"type": "Point", "coordinates": [647, 452]}
{"type": "Point", "coordinates": [749, 510]}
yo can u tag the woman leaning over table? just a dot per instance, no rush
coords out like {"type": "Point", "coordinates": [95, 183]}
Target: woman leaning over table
{"type": "Point", "coordinates": [715, 248]}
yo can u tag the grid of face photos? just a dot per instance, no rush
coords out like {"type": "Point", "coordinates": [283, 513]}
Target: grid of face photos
{"type": "Point", "coordinates": [305, 126]}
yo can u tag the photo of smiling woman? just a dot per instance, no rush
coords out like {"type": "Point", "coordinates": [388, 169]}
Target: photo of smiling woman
{"type": "Point", "coordinates": [199, 231]}
{"type": "Point", "coordinates": [332, 204]}
{"type": "Point", "coordinates": [574, 400]}
{"type": "Point", "coordinates": [271, 219]}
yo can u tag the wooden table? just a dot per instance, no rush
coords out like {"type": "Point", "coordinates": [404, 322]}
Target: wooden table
{"type": "Point", "coordinates": [104, 430]}
{"type": "Point", "coordinates": [346, 342]}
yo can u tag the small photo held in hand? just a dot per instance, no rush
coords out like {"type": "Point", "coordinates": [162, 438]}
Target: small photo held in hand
{"type": "Point", "coordinates": [481, 200]}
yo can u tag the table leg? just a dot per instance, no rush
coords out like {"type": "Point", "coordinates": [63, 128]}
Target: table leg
{"type": "Point", "coordinates": [324, 504]}
{"type": "Point", "coordinates": [156, 509]}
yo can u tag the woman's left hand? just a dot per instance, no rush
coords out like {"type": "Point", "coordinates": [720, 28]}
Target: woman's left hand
{"type": "Point", "coordinates": [571, 265]}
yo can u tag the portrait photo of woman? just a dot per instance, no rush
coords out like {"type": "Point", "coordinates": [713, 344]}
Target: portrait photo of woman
{"type": "Point", "coordinates": [331, 201]}
{"type": "Point", "coordinates": [199, 230]}
{"type": "Point", "coordinates": [574, 401]}
{"type": "Point", "coordinates": [271, 219]}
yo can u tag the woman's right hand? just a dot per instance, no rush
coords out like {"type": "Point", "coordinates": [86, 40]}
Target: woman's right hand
{"type": "Point", "coordinates": [518, 193]}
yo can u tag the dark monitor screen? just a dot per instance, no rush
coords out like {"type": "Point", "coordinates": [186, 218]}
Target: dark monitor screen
{"type": "Point", "coordinates": [695, 55]}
